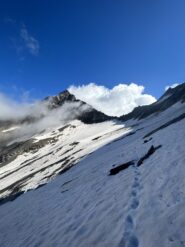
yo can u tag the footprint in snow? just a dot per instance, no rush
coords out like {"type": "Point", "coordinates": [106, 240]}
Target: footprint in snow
{"type": "Point", "coordinates": [136, 184]}
{"type": "Point", "coordinates": [133, 193]}
{"type": "Point", "coordinates": [129, 241]}
{"type": "Point", "coordinates": [129, 224]}
{"type": "Point", "coordinates": [135, 203]}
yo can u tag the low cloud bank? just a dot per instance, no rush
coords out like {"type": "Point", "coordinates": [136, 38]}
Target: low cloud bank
{"type": "Point", "coordinates": [12, 110]}
{"type": "Point", "coordinates": [117, 101]}
{"type": "Point", "coordinates": [54, 118]}
{"type": "Point", "coordinates": [38, 116]}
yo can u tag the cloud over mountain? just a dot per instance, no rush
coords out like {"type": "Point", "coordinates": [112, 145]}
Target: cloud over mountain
{"type": "Point", "coordinates": [117, 101]}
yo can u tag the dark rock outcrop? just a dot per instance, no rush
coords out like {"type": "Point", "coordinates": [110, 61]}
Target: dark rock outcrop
{"type": "Point", "coordinates": [119, 168]}
{"type": "Point", "coordinates": [148, 154]}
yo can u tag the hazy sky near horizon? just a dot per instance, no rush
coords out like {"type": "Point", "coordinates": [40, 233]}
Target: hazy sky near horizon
{"type": "Point", "coordinates": [46, 46]}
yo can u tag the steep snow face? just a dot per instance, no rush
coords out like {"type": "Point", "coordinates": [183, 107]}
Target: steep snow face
{"type": "Point", "coordinates": [142, 205]}
{"type": "Point", "coordinates": [58, 149]}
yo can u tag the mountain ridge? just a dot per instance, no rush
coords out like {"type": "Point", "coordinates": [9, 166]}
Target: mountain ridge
{"type": "Point", "coordinates": [169, 98]}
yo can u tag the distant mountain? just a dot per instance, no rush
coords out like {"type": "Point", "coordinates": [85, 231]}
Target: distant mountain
{"type": "Point", "coordinates": [89, 116]}
{"type": "Point", "coordinates": [170, 97]}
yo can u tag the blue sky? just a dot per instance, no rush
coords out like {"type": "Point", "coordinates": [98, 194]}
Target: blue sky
{"type": "Point", "coordinates": [48, 45]}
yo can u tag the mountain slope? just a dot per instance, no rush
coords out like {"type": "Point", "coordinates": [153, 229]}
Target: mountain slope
{"type": "Point", "coordinates": [54, 147]}
{"type": "Point", "coordinates": [171, 97]}
{"type": "Point", "coordinates": [45, 155]}
{"type": "Point", "coordinates": [141, 205]}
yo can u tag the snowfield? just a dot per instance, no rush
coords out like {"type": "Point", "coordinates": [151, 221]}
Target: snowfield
{"type": "Point", "coordinates": [69, 143]}
{"type": "Point", "coordinates": [85, 206]}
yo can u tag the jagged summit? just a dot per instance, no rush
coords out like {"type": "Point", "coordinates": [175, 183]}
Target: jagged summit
{"type": "Point", "coordinates": [169, 98]}
{"type": "Point", "coordinates": [60, 99]}
{"type": "Point", "coordinates": [90, 116]}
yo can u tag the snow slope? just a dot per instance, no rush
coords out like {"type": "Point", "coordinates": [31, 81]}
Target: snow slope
{"type": "Point", "coordinates": [67, 145]}
{"type": "Point", "coordinates": [85, 206]}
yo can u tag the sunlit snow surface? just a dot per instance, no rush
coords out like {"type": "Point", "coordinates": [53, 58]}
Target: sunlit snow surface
{"type": "Point", "coordinates": [74, 141]}
{"type": "Point", "coordinates": [140, 206]}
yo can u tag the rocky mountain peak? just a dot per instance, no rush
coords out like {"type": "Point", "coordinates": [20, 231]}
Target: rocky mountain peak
{"type": "Point", "coordinates": [60, 99]}
{"type": "Point", "coordinates": [89, 116]}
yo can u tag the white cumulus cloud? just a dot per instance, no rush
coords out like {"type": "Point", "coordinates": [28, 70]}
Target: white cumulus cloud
{"type": "Point", "coordinates": [117, 101]}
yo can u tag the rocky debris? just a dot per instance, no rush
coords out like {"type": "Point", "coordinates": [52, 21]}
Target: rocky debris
{"type": "Point", "coordinates": [96, 138]}
{"type": "Point", "coordinates": [131, 133]}
{"type": "Point", "coordinates": [148, 154]}
{"type": "Point", "coordinates": [16, 188]}
{"type": "Point", "coordinates": [9, 153]}
{"type": "Point", "coordinates": [66, 126]}
{"type": "Point", "coordinates": [122, 167]}
{"type": "Point", "coordinates": [147, 140]}
{"type": "Point", "coordinates": [74, 144]}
